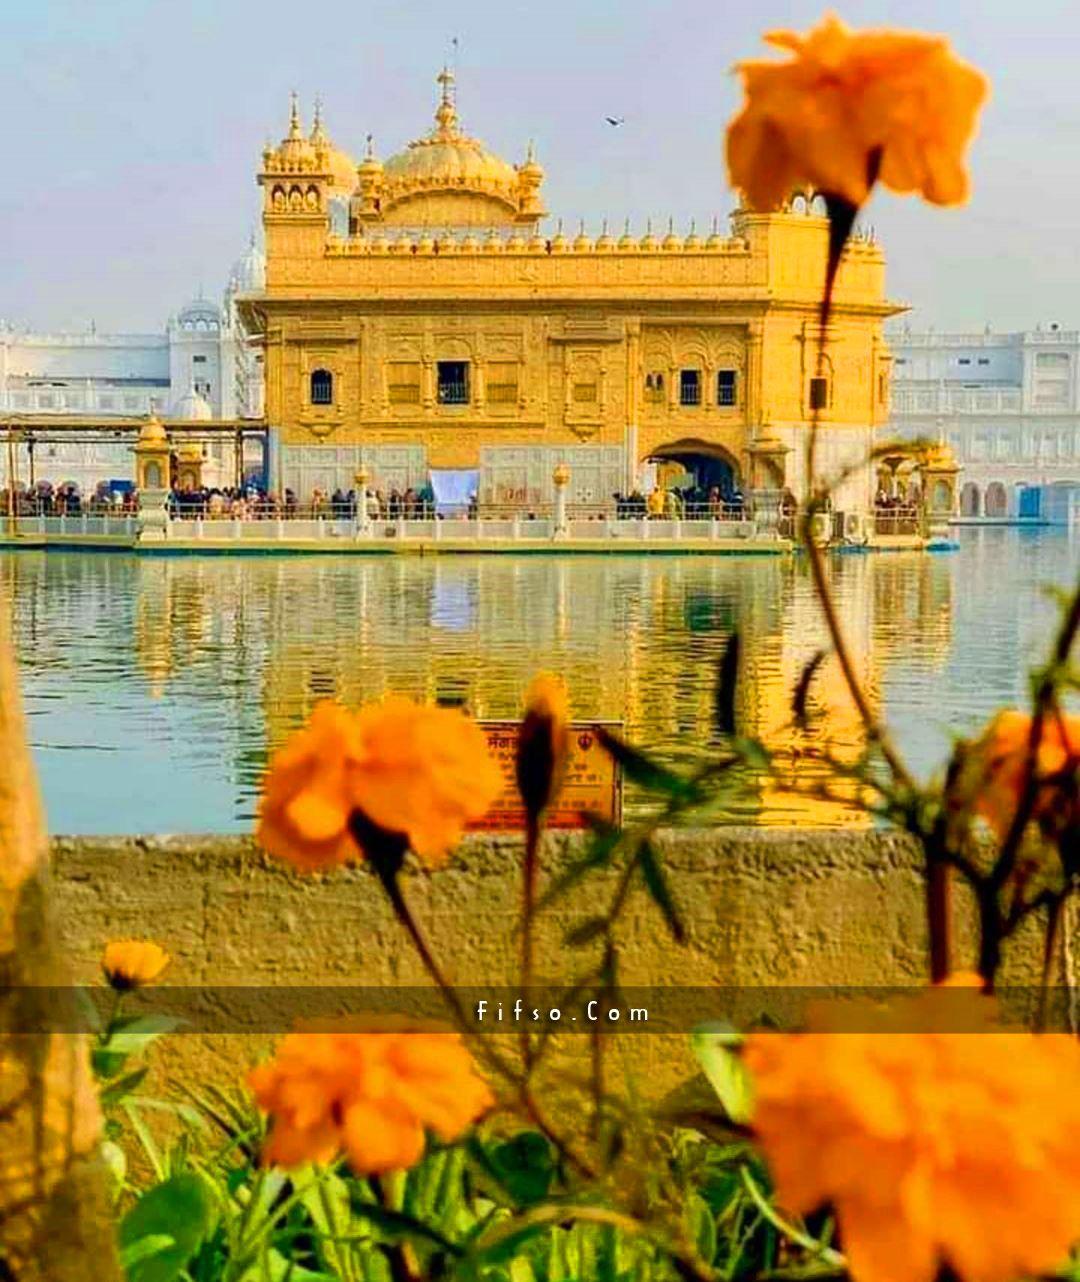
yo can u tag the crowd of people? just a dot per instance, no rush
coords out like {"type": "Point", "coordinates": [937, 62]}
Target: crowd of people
{"type": "Point", "coordinates": [66, 499]}
{"type": "Point", "coordinates": [252, 502]}
{"type": "Point", "coordinates": [692, 503]}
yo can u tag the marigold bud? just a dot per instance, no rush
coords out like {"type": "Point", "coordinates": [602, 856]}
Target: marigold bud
{"type": "Point", "coordinates": [543, 743]}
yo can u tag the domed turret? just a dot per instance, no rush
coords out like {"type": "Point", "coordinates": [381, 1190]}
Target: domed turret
{"type": "Point", "coordinates": [248, 275]}
{"type": "Point", "coordinates": [199, 314]}
{"type": "Point", "coordinates": [294, 153]}
{"type": "Point", "coordinates": [672, 242]}
{"type": "Point", "coordinates": [449, 177]}
{"type": "Point", "coordinates": [339, 164]}
{"type": "Point", "coordinates": [192, 407]}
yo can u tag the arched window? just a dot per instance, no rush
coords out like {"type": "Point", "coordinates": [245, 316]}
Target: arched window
{"type": "Point", "coordinates": [322, 387]}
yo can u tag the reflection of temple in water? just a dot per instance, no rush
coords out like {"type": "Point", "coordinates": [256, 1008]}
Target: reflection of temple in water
{"type": "Point", "coordinates": [258, 641]}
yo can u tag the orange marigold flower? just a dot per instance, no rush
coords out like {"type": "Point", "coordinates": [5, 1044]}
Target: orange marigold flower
{"type": "Point", "coordinates": [846, 96]}
{"type": "Point", "coordinates": [426, 772]}
{"type": "Point", "coordinates": [543, 742]}
{"type": "Point", "coordinates": [999, 758]}
{"type": "Point", "coordinates": [957, 1143]}
{"type": "Point", "coordinates": [369, 1095]}
{"type": "Point", "coordinates": [308, 795]}
{"type": "Point", "coordinates": [418, 771]}
{"type": "Point", "coordinates": [130, 963]}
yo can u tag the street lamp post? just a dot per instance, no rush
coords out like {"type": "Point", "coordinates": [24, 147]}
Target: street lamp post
{"type": "Point", "coordinates": [361, 478]}
{"type": "Point", "coordinates": [561, 478]}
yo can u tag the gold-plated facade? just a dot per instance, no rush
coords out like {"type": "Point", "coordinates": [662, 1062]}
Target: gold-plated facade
{"type": "Point", "coordinates": [421, 320]}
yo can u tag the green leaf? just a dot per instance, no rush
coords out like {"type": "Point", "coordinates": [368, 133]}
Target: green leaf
{"type": "Point", "coordinates": [130, 1036]}
{"type": "Point", "coordinates": [657, 885]}
{"type": "Point", "coordinates": [802, 689]}
{"type": "Point", "coordinates": [585, 932]}
{"type": "Point", "coordinates": [508, 1246]}
{"type": "Point", "coordinates": [727, 685]}
{"type": "Point", "coordinates": [123, 1086]}
{"type": "Point", "coordinates": [524, 1166]}
{"type": "Point", "coordinates": [115, 1160]}
{"type": "Point", "coordinates": [144, 1248]}
{"type": "Point", "coordinates": [605, 841]}
{"type": "Point", "coordinates": [275, 1267]}
{"type": "Point", "coordinates": [717, 1049]}
{"type": "Point", "coordinates": [326, 1199]}
{"type": "Point", "coordinates": [702, 1226]}
{"type": "Point", "coordinates": [646, 772]}
{"type": "Point", "coordinates": [182, 1209]}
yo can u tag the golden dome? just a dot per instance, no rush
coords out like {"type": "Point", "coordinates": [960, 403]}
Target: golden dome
{"type": "Point", "coordinates": [447, 159]}
{"type": "Point", "coordinates": [152, 432]}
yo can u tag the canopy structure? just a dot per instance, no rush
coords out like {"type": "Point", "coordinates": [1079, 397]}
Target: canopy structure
{"type": "Point", "coordinates": [454, 488]}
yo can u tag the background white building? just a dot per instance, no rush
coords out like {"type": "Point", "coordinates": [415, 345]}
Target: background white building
{"type": "Point", "coordinates": [199, 367]}
{"type": "Point", "coordinates": [1008, 404]}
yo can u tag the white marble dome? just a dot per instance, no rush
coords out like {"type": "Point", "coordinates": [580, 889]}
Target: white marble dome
{"type": "Point", "coordinates": [192, 407]}
{"type": "Point", "coordinates": [248, 275]}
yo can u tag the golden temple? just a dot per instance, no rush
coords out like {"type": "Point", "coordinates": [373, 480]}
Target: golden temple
{"type": "Point", "coordinates": [416, 320]}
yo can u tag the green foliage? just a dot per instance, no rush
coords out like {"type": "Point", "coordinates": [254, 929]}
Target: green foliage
{"type": "Point", "coordinates": [164, 1229]}
{"type": "Point", "coordinates": [717, 1050]}
{"type": "Point", "coordinates": [495, 1207]}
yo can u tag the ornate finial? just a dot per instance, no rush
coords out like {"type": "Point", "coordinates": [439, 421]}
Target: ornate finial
{"type": "Point", "coordinates": [370, 153]}
{"type": "Point", "coordinates": [693, 226]}
{"type": "Point", "coordinates": [446, 113]}
{"type": "Point", "coordinates": [294, 115]}
{"type": "Point", "coordinates": [626, 227]}
{"type": "Point", "coordinates": [603, 228]}
{"type": "Point", "coordinates": [317, 133]}
{"type": "Point", "coordinates": [581, 226]}
{"type": "Point", "coordinates": [648, 226]}
{"type": "Point", "coordinates": [715, 225]}
{"type": "Point", "coordinates": [671, 226]}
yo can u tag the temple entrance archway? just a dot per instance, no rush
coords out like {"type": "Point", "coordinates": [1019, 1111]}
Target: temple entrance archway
{"type": "Point", "coordinates": [707, 465]}
{"type": "Point", "coordinates": [997, 500]}
{"type": "Point", "coordinates": [970, 500]}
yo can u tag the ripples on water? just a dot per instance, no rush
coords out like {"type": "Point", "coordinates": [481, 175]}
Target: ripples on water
{"type": "Point", "coordinates": [156, 686]}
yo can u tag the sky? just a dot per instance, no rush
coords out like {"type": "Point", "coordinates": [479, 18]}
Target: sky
{"type": "Point", "coordinates": [133, 133]}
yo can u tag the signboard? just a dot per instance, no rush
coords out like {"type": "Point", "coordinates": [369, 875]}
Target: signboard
{"type": "Point", "coordinates": [593, 784]}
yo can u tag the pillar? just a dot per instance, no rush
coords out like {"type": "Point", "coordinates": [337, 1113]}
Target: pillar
{"type": "Point", "coordinates": [153, 459]}
{"type": "Point", "coordinates": [561, 478]}
{"type": "Point", "coordinates": [363, 521]}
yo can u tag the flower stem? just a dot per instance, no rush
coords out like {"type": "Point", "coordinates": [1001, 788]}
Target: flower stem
{"type": "Point", "coordinates": [939, 919]}
{"type": "Point", "coordinates": [528, 912]}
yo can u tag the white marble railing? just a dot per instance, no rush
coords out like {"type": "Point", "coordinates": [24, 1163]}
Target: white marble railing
{"type": "Point", "coordinates": [943, 400]}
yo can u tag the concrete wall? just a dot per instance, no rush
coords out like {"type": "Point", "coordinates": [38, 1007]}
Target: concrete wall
{"type": "Point", "coordinates": [761, 907]}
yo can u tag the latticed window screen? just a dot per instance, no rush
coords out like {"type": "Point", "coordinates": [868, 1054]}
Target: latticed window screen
{"type": "Point", "coordinates": [727, 387]}
{"type": "Point", "coordinates": [690, 387]}
{"type": "Point", "coordinates": [322, 387]}
{"type": "Point", "coordinates": [453, 382]}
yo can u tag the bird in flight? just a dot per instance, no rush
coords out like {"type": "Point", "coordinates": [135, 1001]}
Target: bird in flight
{"type": "Point", "coordinates": [615, 121]}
